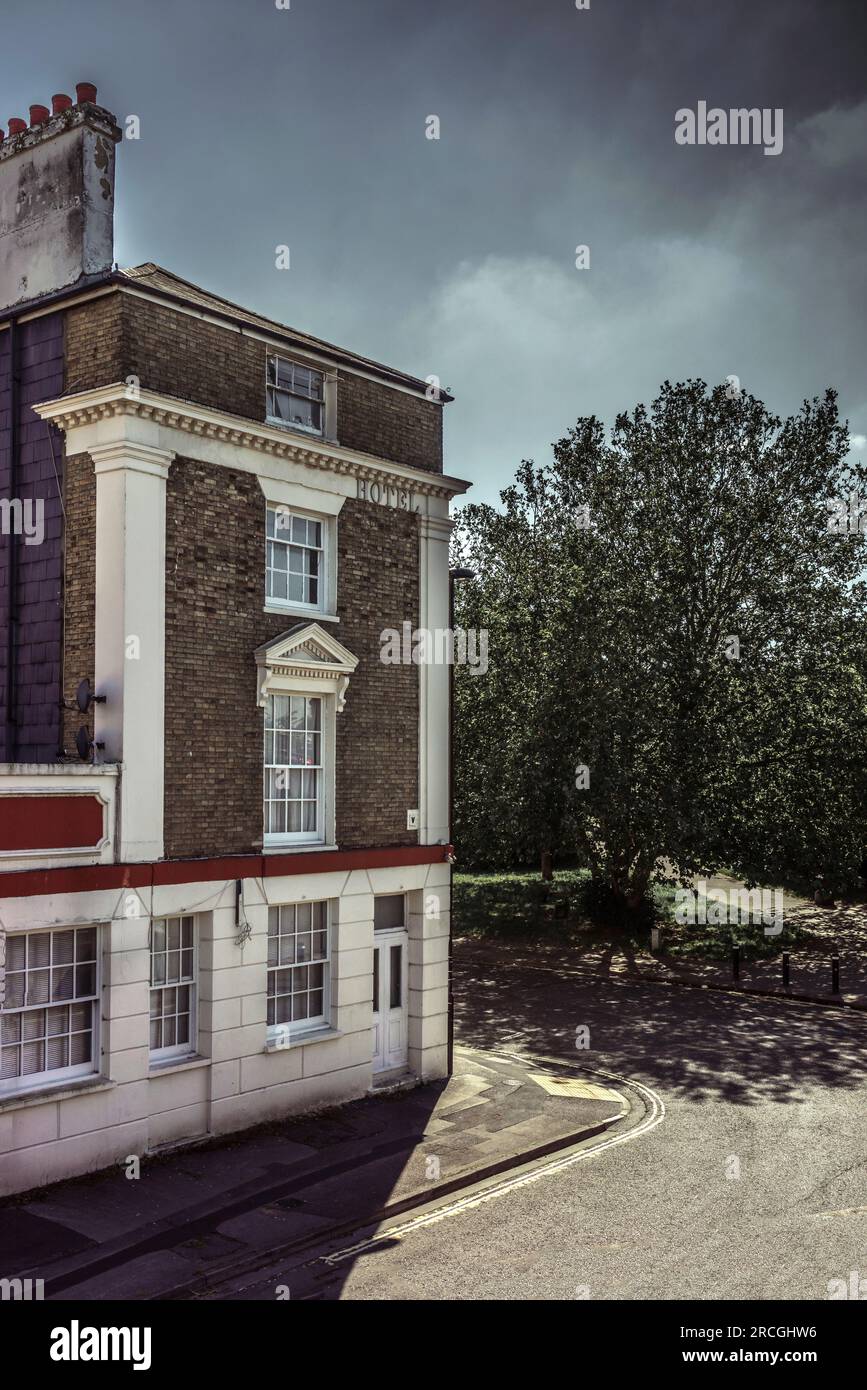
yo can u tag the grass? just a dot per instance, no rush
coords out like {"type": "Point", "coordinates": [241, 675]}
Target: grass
{"type": "Point", "coordinates": [515, 903]}
{"type": "Point", "coordinates": [517, 906]}
{"type": "Point", "coordinates": [714, 941]}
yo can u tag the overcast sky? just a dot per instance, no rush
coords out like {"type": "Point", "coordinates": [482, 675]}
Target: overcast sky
{"type": "Point", "coordinates": [306, 126]}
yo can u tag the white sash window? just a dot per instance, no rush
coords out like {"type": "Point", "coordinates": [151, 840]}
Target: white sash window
{"type": "Point", "coordinates": [303, 676]}
{"type": "Point", "coordinates": [49, 1018]}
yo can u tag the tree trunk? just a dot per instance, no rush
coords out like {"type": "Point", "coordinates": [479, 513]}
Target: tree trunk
{"type": "Point", "coordinates": [547, 870]}
{"type": "Point", "coordinates": [631, 893]}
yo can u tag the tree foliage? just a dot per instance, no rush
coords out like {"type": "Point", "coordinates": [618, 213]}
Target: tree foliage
{"type": "Point", "coordinates": [668, 607]}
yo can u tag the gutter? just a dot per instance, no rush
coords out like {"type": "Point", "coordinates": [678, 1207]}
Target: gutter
{"type": "Point", "coordinates": [50, 301]}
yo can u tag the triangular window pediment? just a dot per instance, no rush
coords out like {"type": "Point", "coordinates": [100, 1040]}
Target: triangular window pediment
{"type": "Point", "coordinates": [306, 658]}
{"type": "Point", "coordinates": [309, 651]}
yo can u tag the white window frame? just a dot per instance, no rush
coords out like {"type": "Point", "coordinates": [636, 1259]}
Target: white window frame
{"type": "Point", "coordinates": [58, 1076]}
{"type": "Point", "coordinates": [189, 1048]}
{"type": "Point", "coordinates": [308, 661]}
{"type": "Point", "coordinates": [276, 357]}
{"type": "Point", "coordinates": [316, 505]}
{"type": "Point", "coordinates": [325, 770]}
{"type": "Point", "coordinates": [291, 1031]}
{"type": "Point", "coordinates": [325, 585]}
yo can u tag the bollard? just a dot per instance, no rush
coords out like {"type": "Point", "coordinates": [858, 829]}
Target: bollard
{"type": "Point", "coordinates": [835, 974]}
{"type": "Point", "coordinates": [785, 970]}
{"type": "Point", "coordinates": [736, 962]}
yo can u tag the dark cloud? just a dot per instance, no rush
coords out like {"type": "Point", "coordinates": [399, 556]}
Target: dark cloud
{"type": "Point", "coordinates": [306, 126]}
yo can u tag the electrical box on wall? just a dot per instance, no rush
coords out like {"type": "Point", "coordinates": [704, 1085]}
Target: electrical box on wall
{"type": "Point", "coordinates": [412, 820]}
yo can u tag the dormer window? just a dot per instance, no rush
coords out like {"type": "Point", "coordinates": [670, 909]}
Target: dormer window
{"type": "Point", "coordinates": [295, 396]}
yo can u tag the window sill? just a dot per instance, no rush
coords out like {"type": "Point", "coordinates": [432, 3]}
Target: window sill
{"type": "Point", "coordinates": [177, 1064]}
{"type": "Point", "coordinates": [315, 1035]}
{"type": "Point", "coordinates": [289, 610]}
{"type": "Point", "coordinates": [307, 430]}
{"type": "Point", "coordinates": [297, 847]}
{"type": "Point", "coordinates": [58, 1090]}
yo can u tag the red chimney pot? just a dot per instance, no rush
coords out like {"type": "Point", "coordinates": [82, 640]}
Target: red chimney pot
{"type": "Point", "coordinates": [85, 91]}
{"type": "Point", "coordinates": [60, 102]}
{"type": "Point", "coordinates": [2, 136]}
{"type": "Point", "coordinates": [16, 125]}
{"type": "Point", "coordinates": [38, 114]}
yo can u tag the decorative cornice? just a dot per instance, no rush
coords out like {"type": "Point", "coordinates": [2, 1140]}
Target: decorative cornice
{"type": "Point", "coordinates": [110, 402]}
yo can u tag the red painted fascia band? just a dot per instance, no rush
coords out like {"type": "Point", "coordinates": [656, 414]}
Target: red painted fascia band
{"type": "Point", "coordinates": [29, 883]}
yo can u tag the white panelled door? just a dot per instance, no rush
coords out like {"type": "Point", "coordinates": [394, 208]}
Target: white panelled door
{"type": "Point", "coordinates": [390, 978]}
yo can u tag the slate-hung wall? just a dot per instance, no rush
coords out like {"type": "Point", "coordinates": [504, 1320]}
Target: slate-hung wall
{"type": "Point", "coordinates": [36, 731]}
{"type": "Point", "coordinates": [122, 335]}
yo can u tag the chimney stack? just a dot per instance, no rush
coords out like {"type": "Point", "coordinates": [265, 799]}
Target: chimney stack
{"type": "Point", "coordinates": [56, 197]}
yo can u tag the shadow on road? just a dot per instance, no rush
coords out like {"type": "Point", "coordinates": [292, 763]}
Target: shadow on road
{"type": "Point", "coordinates": [692, 1043]}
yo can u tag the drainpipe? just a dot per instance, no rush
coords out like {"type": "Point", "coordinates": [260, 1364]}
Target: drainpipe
{"type": "Point", "coordinates": [11, 738]}
{"type": "Point", "coordinates": [450, 1044]}
{"type": "Point", "coordinates": [453, 575]}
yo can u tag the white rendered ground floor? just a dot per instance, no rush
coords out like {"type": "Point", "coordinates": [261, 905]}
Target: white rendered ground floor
{"type": "Point", "coordinates": [134, 1018]}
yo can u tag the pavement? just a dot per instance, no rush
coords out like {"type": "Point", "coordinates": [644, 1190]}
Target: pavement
{"type": "Point", "coordinates": [199, 1212]}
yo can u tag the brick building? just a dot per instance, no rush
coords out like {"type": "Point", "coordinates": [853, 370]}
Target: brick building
{"type": "Point", "coordinates": [223, 819]}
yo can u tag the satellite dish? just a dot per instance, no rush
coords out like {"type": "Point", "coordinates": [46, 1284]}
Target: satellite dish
{"type": "Point", "coordinates": [84, 696]}
{"type": "Point", "coordinates": [82, 739]}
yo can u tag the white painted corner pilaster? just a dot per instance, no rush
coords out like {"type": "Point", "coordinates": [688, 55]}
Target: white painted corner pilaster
{"type": "Point", "coordinates": [130, 633]}
{"type": "Point", "coordinates": [434, 535]}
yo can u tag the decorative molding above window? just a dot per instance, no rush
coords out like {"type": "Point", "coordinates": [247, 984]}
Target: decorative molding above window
{"type": "Point", "coordinates": [305, 660]}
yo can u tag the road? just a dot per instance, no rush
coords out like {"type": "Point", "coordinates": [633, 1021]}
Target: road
{"type": "Point", "coordinates": [752, 1186]}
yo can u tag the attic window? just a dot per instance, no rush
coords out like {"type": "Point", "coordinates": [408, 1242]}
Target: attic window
{"type": "Point", "coordinates": [295, 395]}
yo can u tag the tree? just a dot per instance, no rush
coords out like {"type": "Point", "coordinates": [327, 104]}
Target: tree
{"type": "Point", "coordinates": [511, 739]}
{"type": "Point", "coordinates": [669, 608]}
